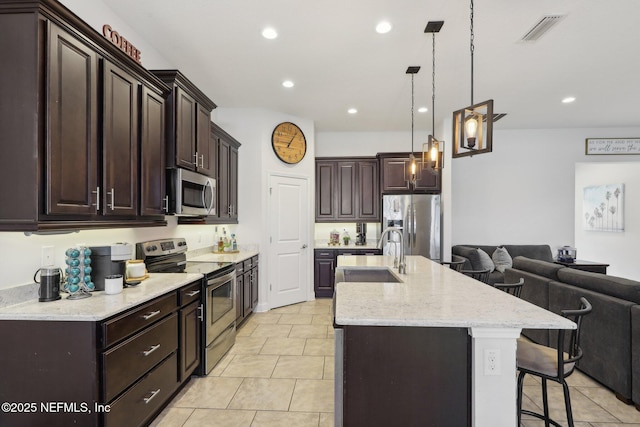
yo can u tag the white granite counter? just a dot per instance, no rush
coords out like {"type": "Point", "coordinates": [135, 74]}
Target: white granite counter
{"type": "Point", "coordinates": [99, 305]}
{"type": "Point", "coordinates": [224, 257]}
{"type": "Point", "coordinates": [434, 295]}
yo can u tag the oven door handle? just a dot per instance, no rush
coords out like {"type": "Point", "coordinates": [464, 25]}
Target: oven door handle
{"type": "Point", "coordinates": [218, 281]}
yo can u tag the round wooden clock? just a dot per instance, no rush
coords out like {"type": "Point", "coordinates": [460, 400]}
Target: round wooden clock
{"type": "Point", "coordinates": [289, 143]}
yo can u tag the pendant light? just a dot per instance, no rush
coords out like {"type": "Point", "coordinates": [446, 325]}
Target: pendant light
{"type": "Point", "coordinates": [433, 150]}
{"type": "Point", "coordinates": [413, 173]}
{"type": "Point", "coordinates": [473, 125]}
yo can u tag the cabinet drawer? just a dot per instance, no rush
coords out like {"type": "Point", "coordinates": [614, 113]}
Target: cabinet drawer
{"type": "Point", "coordinates": [254, 261]}
{"type": "Point", "coordinates": [247, 264]}
{"type": "Point", "coordinates": [327, 254]}
{"type": "Point", "coordinates": [124, 325]}
{"type": "Point", "coordinates": [190, 293]}
{"type": "Point", "coordinates": [130, 360]}
{"type": "Point", "coordinates": [239, 268]}
{"type": "Point", "coordinates": [135, 406]}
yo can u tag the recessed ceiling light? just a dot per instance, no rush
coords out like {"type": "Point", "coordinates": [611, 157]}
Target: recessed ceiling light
{"type": "Point", "coordinates": [383, 27]}
{"type": "Point", "coordinates": [269, 33]}
{"type": "Point", "coordinates": [352, 110]}
{"type": "Point", "coordinates": [568, 99]}
{"type": "Point", "coordinates": [288, 83]}
{"type": "Point", "coordinates": [423, 110]}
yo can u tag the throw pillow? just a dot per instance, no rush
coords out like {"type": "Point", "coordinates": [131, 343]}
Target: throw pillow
{"type": "Point", "coordinates": [486, 261]}
{"type": "Point", "coordinates": [502, 259]}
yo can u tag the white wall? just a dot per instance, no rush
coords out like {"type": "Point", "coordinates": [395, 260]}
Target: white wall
{"type": "Point", "coordinates": [619, 249]}
{"type": "Point", "coordinates": [253, 127]}
{"type": "Point", "coordinates": [523, 192]}
{"type": "Point", "coordinates": [96, 13]}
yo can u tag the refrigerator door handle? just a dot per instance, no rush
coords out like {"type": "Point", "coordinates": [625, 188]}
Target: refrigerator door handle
{"type": "Point", "coordinates": [413, 228]}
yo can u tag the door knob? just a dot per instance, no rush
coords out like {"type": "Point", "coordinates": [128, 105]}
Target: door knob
{"type": "Point", "coordinates": [304, 246]}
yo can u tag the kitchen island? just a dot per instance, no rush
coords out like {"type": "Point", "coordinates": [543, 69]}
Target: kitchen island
{"type": "Point", "coordinates": [436, 325]}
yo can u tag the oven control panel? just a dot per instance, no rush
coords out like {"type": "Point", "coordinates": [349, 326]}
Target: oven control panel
{"type": "Point", "coordinates": [160, 247]}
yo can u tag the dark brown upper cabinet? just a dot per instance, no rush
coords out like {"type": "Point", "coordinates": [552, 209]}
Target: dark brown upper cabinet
{"type": "Point", "coordinates": [393, 167]}
{"type": "Point", "coordinates": [347, 189]}
{"type": "Point", "coordinates": [153, 196]}
{"type": "Point", "coordinates": [120, 141]}
{"type": "Point", "coordinates": [74, 126]}
{"type": "Point", "coordinates": [227, 178]}
{"type": "Point", "coordinates": [188, 125]}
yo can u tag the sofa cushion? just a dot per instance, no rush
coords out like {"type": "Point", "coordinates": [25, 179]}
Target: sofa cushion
{"type": "Point", "coordinates": [469, 253]}
{"type": "Point", "coordinates": [485, 261]}
{"type": "Point", "coordinates": [535, 266]}
{"type": "Point", "coordinates": [609, 285]}
{"type": "Point", "coordinates": [501, 259]}
{"type": "Point", "coordinates": [541, 252]}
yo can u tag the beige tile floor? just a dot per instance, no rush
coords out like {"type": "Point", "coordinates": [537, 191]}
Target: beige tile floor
{"type": "Point", "coordinates": [280, 373]}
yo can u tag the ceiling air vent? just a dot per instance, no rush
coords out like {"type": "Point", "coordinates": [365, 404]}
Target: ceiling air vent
{"type": "Point", "coordinates": [541, 27]}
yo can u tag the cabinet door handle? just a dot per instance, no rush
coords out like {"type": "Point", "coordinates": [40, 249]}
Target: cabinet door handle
{"type": "Point", "coordinates": [97, 203]}
{"type": "Point", "coordinates": [151, 396]}
{"type": "Point", "coordinates": [196, 159]}
{"type": "Point", "coordinates": [151, 350]}
{"type": "Point", "coordinates": [192, 293]}
{"type": "Point", "coordinates": [202, 161]}
{"type": "Point", "coordinates": [150, 315]}
{"type": "Point", "coordinates": [166, 203]}
{"type": "Point", "coordinates": [113, 197]}
{"type": "Point", "coordinates": [200, 310]}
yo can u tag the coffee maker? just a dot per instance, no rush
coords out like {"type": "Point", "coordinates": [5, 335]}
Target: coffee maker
{"type": "Point", "coordinates": [361, 233]}
{"type": "Point", "coordinates": [109, 260]}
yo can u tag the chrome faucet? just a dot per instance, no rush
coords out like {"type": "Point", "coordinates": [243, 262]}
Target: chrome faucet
{"type": "Point", "coordinates": [401, 264]}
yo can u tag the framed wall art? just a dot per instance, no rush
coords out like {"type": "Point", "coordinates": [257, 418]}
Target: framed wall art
{"type": "Point", "coordinates": [603, 208]}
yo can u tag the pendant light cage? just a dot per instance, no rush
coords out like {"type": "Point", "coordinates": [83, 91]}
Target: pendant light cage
{"type": "Point", "coordinates": [473, 125]}
{"type": "Point", "coordinates": [433, 150]}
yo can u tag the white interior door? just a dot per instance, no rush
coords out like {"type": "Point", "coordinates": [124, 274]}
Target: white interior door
{"type": "Point", "coordinates": [289, 233]}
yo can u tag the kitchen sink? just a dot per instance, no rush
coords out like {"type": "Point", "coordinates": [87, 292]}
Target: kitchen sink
{"type": "Point", "coordinates": [366, 274]}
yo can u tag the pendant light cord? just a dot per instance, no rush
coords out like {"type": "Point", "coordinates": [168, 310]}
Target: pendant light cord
{"type": "Point", "coordinates": [433, 87]}
{"type": "Point", "coordinates": [412, 113]}
{"type": "Point", "coordinates": [472, 49]}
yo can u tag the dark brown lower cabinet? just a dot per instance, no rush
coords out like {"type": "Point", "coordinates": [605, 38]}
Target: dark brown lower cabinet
{"type": "Point", "coordinates": [116, 372]}
{"type": "Point", "coordinates": [324, 267]}
{"type": "Point", "coordinates": [416, 376]}
{"type": "Point", "coordinates": [246, 288]}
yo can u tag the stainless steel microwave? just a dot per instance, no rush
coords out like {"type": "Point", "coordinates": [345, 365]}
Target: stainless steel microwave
{"type": "Point", "coordinates": [190, 193]}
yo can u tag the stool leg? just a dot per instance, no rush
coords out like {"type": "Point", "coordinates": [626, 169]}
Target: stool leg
{"type": "Point", "coordinates": [519, 401]}
{"type": "Point", "coordinates": [567, 404]}
{"type": "Point", "coordinates": [545, 402]}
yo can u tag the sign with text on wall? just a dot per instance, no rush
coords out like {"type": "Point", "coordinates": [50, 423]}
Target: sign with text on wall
{"type": "Point", "coordinates": [612, 146]}
{"type": "Point", "coordinates": [122, 43]}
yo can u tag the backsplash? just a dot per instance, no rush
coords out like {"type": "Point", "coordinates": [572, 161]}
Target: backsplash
{"type": "Point", "coordinates": [21, 256]}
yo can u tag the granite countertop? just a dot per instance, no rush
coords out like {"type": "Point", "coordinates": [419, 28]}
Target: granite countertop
{"type": "Point", "coordinates": [99, 305]}
{"type": "Point", "coordinates": [433, 295]}
{"type": "Point", "coordinates": [224, 257]}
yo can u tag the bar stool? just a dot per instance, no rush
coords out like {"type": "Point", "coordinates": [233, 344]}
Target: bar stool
{"type": "Point", "coordinates": [552, 364]}
{"type": "Point", "coordinates": [481, 275]}
{"type": "Point", "coordinates": [456, 263]}
{"type": "Point", "coordinates": [514, 289]}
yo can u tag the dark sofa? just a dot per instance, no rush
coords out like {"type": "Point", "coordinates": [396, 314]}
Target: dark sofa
{"type": "Point", "coordinates": [472, 259]}
{"type": "Point", "coordinates": [610, 336]}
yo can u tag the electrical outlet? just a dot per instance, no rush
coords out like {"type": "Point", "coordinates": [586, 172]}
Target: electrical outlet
{"type": "Point", "coordinates": [47, 255]}
{"type": "Point", "coordinates": [492, 362]}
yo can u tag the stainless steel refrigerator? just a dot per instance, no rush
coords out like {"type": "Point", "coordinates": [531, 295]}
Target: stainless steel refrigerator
{"type": "Point", "coordinates": [418, 216]}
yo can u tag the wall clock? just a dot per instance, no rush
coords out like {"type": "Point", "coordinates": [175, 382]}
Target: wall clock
{"type": "Point", "coordinates": [289, 143]}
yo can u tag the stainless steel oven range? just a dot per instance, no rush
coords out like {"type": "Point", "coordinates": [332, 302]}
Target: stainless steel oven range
{"type": "Point", "coordinates": [218, 304]}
